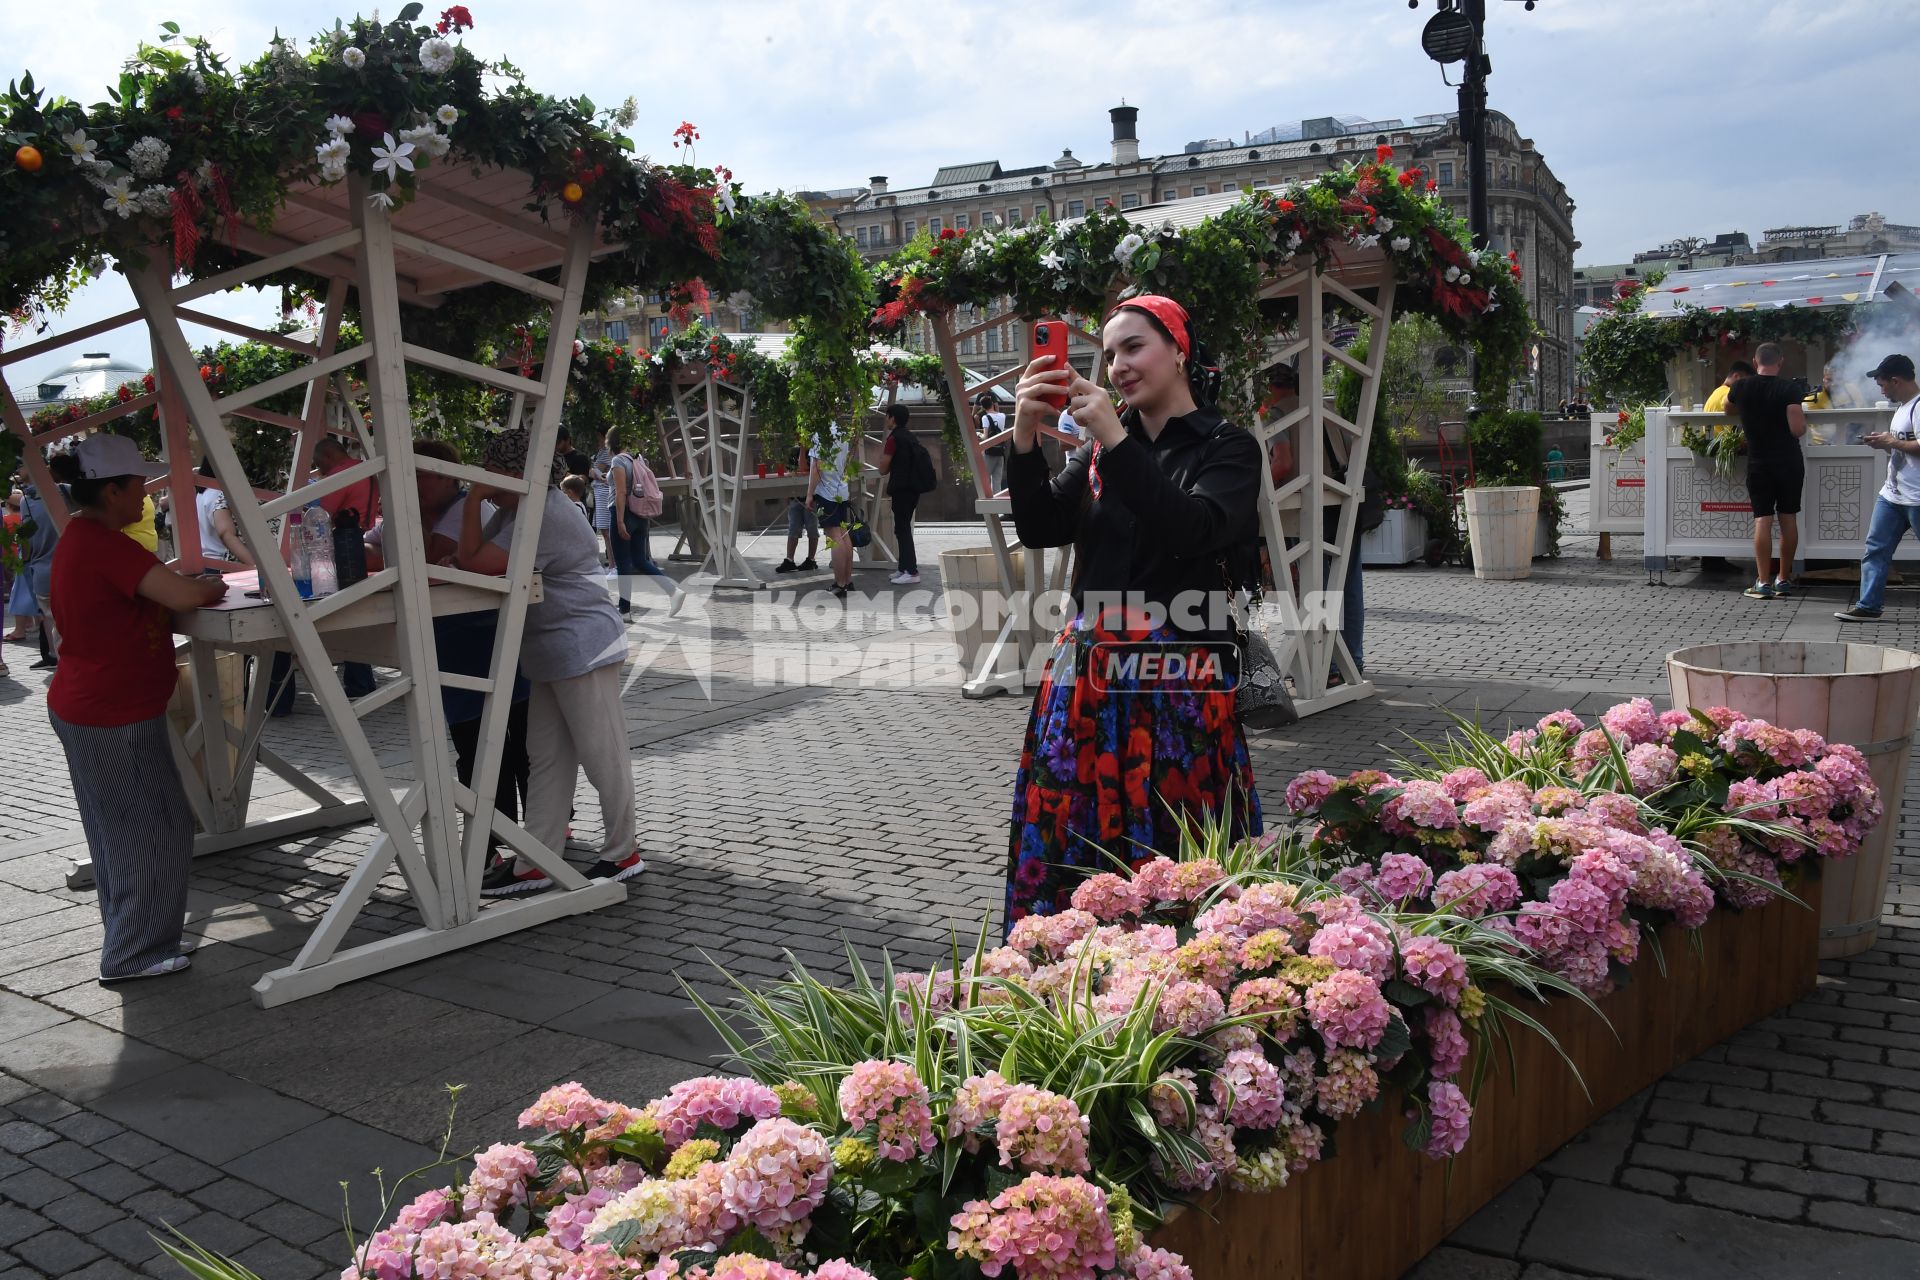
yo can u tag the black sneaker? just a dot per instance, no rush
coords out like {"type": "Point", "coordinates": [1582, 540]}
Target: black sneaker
{"type": "Point", "coordinates": [502, 882]}
{"type": "Point", "coordinates": [1854, 613]}
{"type": "Point", "coordinates": [809, 565]}
{"type": "Point", "coordinates": [626, 869]}
{"type": "Point", "coordinates": [840, 591]}
{"type": "Point", "coordinates": [786, 566]}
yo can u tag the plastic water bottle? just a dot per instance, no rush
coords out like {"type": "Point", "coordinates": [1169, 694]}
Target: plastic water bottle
{"type": "Point", "coordinates": [321, 571]}
{"type": "Point", "coordinates": [298, 556]}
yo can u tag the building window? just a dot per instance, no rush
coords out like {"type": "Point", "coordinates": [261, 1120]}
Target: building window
{"type": "Point", "coordinates": [860, 237]}
{"type": "Point", "coordinates": [961, 222]}
{"type": "Point", "coordinates": [933, 225]}
{"type": "Point", "coordinates": [1259, 182]}
{"type": "Point", "coordinates": [1076, 208]}
{"type": "Point", "coordinates": [616, 330]}
{"type": "Point", "coordinates": [659, 328]}
{"type": "Point", "coordinates": [1199, 191]}
{"type": "Point", "coordinates": [1013, 216]}
{"type": "Point", "coordinates": [1168, 194]}
{"type": "Point", "coordinates": [907, 229]}
{"type": "Point", "coordinates": [1446, 173]}
{"type": "Point", "coordinates": [877, 237]}
{"type": "Point", "coordinates": [993, 340]}
{"type": "Point", "coordinates": [1131, 200]}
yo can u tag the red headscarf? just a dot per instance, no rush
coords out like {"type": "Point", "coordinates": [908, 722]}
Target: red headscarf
{"type": "Point", "coordinates": [1167, 312]}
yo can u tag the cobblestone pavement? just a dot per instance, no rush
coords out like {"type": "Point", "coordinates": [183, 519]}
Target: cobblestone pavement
{"type": "Point", "coordinates": [869, 806]}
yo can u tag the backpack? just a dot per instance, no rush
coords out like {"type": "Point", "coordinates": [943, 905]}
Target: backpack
{"type": "Point", "coordinates": [920, 475]}
{"type": "Point", "coordinates": [644, 498]}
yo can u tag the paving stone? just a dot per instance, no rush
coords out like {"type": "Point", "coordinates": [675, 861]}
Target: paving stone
{"type": "Point", "coordinates": [1581, 1223]}
{"type": "Point", "coordinates": [309, 1166]}
{"type": "Point", "coordinates": [1744, 1148]}
{"type": "Point", "coordinates": [43, 1107]}
{"type": "Point", "coordinates": [103, 1269]}
{"type": "Point", "coordinates": [17, 1222]}
{"type": "Point", "coordinates": [1745, 1199]}
{"type": "Point", "coordinates": [56, 1252]}
{"type": "Point", "coordinates": [181, 1173]}
{"type": "Point", "coordinates": [230, 1196]}
{"type": "Point", "coordinates": [218, 1232]}
{"type": "Point", "coordinates": [85, 1126]}
{"type": "Point", "coordinates": [112, 1182]}
{"type": "Point", "coordinates": [1673, 1159]}
{"type": "Point", "coordinates": [162, 1207]}
{"type": "Point", "coordinates": [66, 1159]}
{"type": "Point", "coordinates": [34, 1188]}
{"type": "Point", "coordinates": [81, 1212]}
{"type": "Point", "coordinates": [1449, 1263]}
{"type": "Point", "coordinates": [129, 1239]}
{"type": "Point", "coordinates": [303, 1227]}
{"type": "Point", "coordinates": [282, 1262]}
{"type": "Point", "coordinates": [1498, 1226]}
{"type": "Point", "coordinates": [1864, 1218]}
{"type": "Point", "coordinates": [206, 1112]}
{"type": "Point", "coordinates": [1651, 1181]}
{"type": "Point", "coordinates": [1809, 1182]}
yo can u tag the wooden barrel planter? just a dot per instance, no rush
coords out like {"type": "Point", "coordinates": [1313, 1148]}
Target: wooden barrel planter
{"type": "Point", "coordinates": [1502, 524]}
{"type": "Point", "coordinates": [1860, 694]}
{"type": "Point", "coordinates": [1748, 965]}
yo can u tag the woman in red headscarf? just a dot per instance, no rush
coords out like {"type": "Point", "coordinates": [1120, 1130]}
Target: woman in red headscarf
{"type": "Point", "coordinates": [1133, 730]}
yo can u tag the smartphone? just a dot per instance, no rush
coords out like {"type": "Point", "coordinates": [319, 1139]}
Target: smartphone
{"type": "Point", "coordinates": [1051, 338]}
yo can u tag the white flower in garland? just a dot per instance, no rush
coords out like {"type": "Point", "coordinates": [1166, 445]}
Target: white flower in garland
{"type": "Point", "coordinates": [1366, 242]}
{"type": "Point", "coordinates": [1052, 260]}
{"type": "Point", "coordinates": [120, 199]}
{"type": "Point", "coordinates": [381, 200]}
{"type": "Point", "coordinates": [148, 156]}
{"type": "Point", "coordinates": [1493, 303]}
{"type": "Point", "coordinates": [333, 171]}
{"type": "Point", "coordinates": [353, 57]}
{"type": "Point", "coordinates": [334, 152]}
{"type": "Point", "coordinates": [724, 198]}
{"type": "Point", "coordinates": [392, 158]}
{"type": "Point", "coordinates": [1383, 225]}
{"type": "Point", "coordinates": [339, 126]}
{"type": "Point", "coordinates": [204, 172]}
{"type": "Point", "coordinates": [1453, 274]}
{"type": "Point", "coordinates": [1129, 245]}
{"type": "Point", "coordinates": [427, 140]}
{"type": "Point", "coordinates": [199, 80]}
{"type": "Point", "coordinates": [1401, 244]}
{"type": "Point", "coordinates": [1465, 279]}
{"type": "Point", "coordinates": [80, 146]}
{"type": "Point", "coordinates": [447, 115]}
{"type": "Point", "coordinates": [436, 56]}
{"type": "Point", "coordinates": [1293, 241]}
{"type": "Point", "coordinates": [156, 200]}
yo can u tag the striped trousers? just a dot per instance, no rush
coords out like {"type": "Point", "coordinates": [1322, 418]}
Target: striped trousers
{"type": "Point", "coordinates": [139, 834]}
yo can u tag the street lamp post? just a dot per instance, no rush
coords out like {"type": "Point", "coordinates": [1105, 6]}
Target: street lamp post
{"type": "Point", "coordinates": [1473, 121]}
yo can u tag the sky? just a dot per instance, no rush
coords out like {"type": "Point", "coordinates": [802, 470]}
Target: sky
{"type": "Point", "coordinates": [1663, 118]}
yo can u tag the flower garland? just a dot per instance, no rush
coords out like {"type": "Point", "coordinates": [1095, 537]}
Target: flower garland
{"type": "Point", "coordinates": [1217, 267]}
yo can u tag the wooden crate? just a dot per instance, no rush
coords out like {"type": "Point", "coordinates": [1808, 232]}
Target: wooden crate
{"type": "Point", "coordinates": [1373, 1209]}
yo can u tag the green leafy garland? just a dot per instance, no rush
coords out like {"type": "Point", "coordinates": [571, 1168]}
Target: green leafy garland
{"type": "Point", "coordinates": [1625, 352]}
{"type": "Point", "coordinates": [1216, 268]}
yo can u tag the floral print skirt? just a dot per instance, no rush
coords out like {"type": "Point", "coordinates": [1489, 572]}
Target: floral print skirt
{"type": "Point", "coordinates": [1112, 765]}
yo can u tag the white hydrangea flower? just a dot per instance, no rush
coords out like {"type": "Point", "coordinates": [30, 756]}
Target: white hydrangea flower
{"type": "Point", "coordinates": [436, 55]}
{"type": "Point", "coordinates": [392, 158]}
{"type": "Point", "coordinates": [80, 146]}
{"type": "Point", "coordinates": [1383, 225]}
{"type": "Point", "coordinates": [1129, 245]}
{"type": "Point", "coordinates": [333, 172]}
{"type": "Point", "coordinates": [333, 152]}
{"type": "Point", "coordinates": [1401, 244]}
{"type": "Point", "coordinates": [447, 115]}
{"type": "Point", "coordinates": [426, 139]}
{"type": "Point", "coordinates": [339, 126]}
{"type": "Point", "coordinates": [353, 57]}
{"type": "Point", "coordinates": [148, 156]}
{"type": "Point", "coordinates": [120, 199]}
{"type": "Point", "coordinates": [156, 200]}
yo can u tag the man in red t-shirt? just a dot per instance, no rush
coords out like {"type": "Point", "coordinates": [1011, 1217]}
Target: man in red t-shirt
{"type": "Point", "coordinates": [113, 603]}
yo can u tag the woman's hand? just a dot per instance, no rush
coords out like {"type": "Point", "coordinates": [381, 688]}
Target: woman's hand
{"type": "Point", "coordinates": [1031, 407]}
{"type": "Point", "coordinates": [1092, 408]}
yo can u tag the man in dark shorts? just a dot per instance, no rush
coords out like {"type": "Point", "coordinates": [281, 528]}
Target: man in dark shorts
{"type": "Point", "coordinates": [1773, 419]}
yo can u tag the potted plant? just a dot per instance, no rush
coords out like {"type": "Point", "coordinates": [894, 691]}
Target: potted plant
{"type": "Point", "coordinates": [1503, 504]}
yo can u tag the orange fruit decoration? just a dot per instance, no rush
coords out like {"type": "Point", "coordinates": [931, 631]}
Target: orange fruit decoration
{"type": "Point", "coordinates": [572, 193]}
{"type": "Point", "coordinates": [29, 158]}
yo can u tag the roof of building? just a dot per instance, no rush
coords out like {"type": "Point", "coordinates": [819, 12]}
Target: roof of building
{"type": "Point", "coordinates": [981, 171]}
{"type": "Point", "coordinates": [1820, 282]}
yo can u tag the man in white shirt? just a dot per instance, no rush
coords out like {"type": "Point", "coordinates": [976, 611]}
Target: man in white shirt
{"type": "Point", "coordinates": [828, 494]}
{"type": "Point", "coordinates": [1897, 509]}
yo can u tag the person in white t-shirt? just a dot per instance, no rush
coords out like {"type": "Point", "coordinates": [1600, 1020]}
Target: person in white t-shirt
{"type": "Point", "coordinates": [989, 421]}
{"type": "Point", "coordinates": [1897, 509]}
{"type": "Point", "coordinates": [220, 543]}
{"type": "Point", "coordinates": [829, 494]}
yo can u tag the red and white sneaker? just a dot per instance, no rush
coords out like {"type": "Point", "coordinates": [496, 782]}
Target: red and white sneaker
{"type": "Point", "coordinates": [501, 881]}
{"type": "Point", "coordinates": [625, 869]}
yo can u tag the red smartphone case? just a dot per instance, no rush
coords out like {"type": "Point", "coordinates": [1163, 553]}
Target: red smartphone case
{"type": "Point", "coordinates": [1050, 338]}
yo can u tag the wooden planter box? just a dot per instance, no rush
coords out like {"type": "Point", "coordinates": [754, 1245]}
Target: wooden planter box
{"type": "Point", "coordinates": [1400, 539]}
{"type": "Point", "coordinates": [1374, 1209]}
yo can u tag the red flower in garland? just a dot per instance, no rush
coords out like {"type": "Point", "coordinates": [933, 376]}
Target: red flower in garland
{"type": "Point", "coordinates": [206, 373]}
{"type": "Point", "coordinates": [174, 113]}
{"type": "Point", "coordinates": [147, 382]}
{"type": "Point", "coordinates": [685, 134]}
{"type": "Point", "coordinates": [1433, 184]}
{"type": "Point", "coordinates": [950, 233]}
{"type": "Point", "coordinates": [455, 18]}
{"type": "Point", "coordinates": [126, 392]}
{"type": "Point", "coordinates": [1284, 206]}
{"type": "Point", "coordinates": [1383, 153]}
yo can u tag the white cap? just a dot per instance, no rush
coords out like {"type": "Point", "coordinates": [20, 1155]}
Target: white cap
{"type": "Point", "coordinates": [107, 457]}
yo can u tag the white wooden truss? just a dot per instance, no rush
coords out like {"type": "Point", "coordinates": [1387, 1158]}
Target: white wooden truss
{"type": "Point", "coordinates": [467, 226]}
{"type": "Point", "coordinates": [1300, 616]}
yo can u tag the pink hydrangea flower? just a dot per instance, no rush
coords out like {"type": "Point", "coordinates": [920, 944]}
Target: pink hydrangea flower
{"type": "Point", "coordinates": [1192, 879]}
{"type": "Point", "coordinates": [1044, 1227]}
{"type": "Point", "coordinates": [1476, 890]}
{"type": "Point", "coordinates": [1190, 1008]}
{"type": "Point", "coordinates": [1420, 806]}
{"type": "Point", "coordinates": [1108, 897]}
{"type": "Point", "coordinates": [1350, 1084]}
{"type": "Point", "coordinates": [1352, 879]}
{"type": "Point", "coordinates": [499, 1179]}
{"type": "Point", "coordinates": [889, 1096]}
{"type": "Point", "coordinates": [1435, 967]}
{"type": "Point", "coordinates": [462, 1250]}
{"type": "Point", "coordinates": [1403, 877]}
{"type": "Point", "coordinates": [570, 1106]}
{"type": "Point", "coordinates": [1347, 1009]}
{"type": "Point", "coordinates": [1564, 723]}
{"type": "Point", "coordinates": [1306, 793]}
{"type": "Point", "coordinates": [567, 1223]}
{"type": "Point", "coordinates": [426, 1209]}
{"type": "Point", "coordinates": [1452, 1118]}
{"type": "Point", "coordinates": [976, 1102]}
{"type": "Point", "coordinates": [1042, 1131]}
{"type": "Point", "coordinates": [1209, 958]}
{"type": "Point", "coordinates": [1616, 810]}
{"type": "Point", "coordinates": [1358, 942]}
{"type": "Point", "coordinates": [1465, 783]}
{"type": "Point", "coordinates": [1634, 722]}
{"type": "Point", "coordinates": [720, 1101]}
{"type": "Point", "coordinates": [1248, 1088]}
{"type": "Point", "coordinates": [1266, 949]}
{"type": "Point", "coordinates": [775, 1177]}
{"type": "Point", "coordinates": [839, 1269]}
{"type": "Point", "coordinates": [1520, 741]}
{"type": "Point", "coordinates": [1146, 1263]}
{"type": "Point", "coordinates": [1051, 935]}
{"type": "Point", "coordinates": [1154, 879]}
{"type": "Point", "coordinates": [1499, 804]}
{"type": "Point", "coordinates": [1172, 1098]}
{"type": "Point", "coordinates": [747, 1266]}
{"type": "Point", "coordinates": [1446, 1041]}
{"type": "Point", "coordinates": [1273, 998]}
{"type": "Point", "coordinates": [1589, 749]}
{"type": "Point", "coordinates": [1650, 767]}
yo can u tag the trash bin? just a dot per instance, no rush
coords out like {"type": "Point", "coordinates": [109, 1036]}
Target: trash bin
{"type": "Point", "coordinates": [976, 607]}
{"type": "Point", "coordinates": [1860, 694]}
